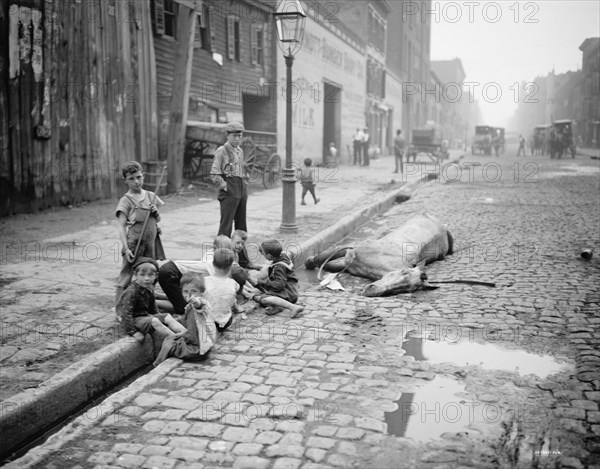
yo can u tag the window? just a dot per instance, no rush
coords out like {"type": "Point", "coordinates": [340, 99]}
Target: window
{"type": "Point", "coordinates": [205, 30]}
{"type": "Point", "coordinates": [257, 44]}
{"type": "Point", "coordinates": [164, 15]}
{"type": "Point", "coordinates": [233, 38]}
{"type": "Point", "coordinates": [376, 26]}
{"type": "Point", "coordinates": [170, 15]}
{"type": "Point", "coordinates": [375, 79]}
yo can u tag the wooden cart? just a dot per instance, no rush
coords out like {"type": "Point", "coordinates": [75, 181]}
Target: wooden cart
{"type": "Point", "coordinates": [427, 142]}
{"type": "Point", "coordinates": [261, 160]}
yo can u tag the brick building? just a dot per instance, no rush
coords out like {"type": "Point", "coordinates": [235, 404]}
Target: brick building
{"type": "Point", "coordinates": [590, 118]}
{"type": "Point", "coordinates": [408, 64]}
{"type": "Point", "coordinates": [328, 76]}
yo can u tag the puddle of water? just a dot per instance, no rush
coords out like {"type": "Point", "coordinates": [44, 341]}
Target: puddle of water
{"type": "Point", "coordinates": [487, 356]}
{"type": "Point", "coordinates": [434, 409]}
{"type": "Point", "coordinates": [308, 276]}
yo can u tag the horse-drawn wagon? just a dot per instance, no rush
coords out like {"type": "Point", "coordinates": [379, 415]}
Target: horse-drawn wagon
{"type": "Point", "coordinates": [483, 140]}
{"type": "Point", "coordinates": [427, 141]}
{"type": "Point", "coordinates": [261, 160]}
{"type": "Point", "coordinates": [561, 139]}
{"type": "Point", "coordinates": [541, 139]}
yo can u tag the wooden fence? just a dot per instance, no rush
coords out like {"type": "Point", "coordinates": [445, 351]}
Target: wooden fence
{"type": "Point", "coordinates": [77, 99]}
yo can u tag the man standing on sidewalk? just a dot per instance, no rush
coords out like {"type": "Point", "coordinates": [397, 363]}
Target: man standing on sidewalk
{"type": "Point", "coordinates": [229, 174]}
{"type": "Point", "coordinates": [357, 142]}
{"type": "Point", "coordinates": [365, 146]}
{"type": "Point", "coordinates": [399, 150]}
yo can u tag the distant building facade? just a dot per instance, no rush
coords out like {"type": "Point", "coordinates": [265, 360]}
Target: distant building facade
{"type": "Point", "coordinates": [455, 102]}
{"type": "Point", "coordinates": [590, 92]}
{"type": "Point", "coordinates": [328, 77]}
{"type": "Point", "coordinates": [368, 20]}
{"type": "Point", "coordinates": [408, 63]}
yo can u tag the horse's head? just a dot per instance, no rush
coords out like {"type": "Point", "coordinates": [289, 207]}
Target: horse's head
{"type": "Point", "coordinates": [405, 280]}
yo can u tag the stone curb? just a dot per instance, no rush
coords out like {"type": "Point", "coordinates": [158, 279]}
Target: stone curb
{"type": "Point", "coordinates": [114, 407]}
{"type": "Point", "coordinates": [37, 409]}
{"type": "Point", "coordinates": [25, 415]}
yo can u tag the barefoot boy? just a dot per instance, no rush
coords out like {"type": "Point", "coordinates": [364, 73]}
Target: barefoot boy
{"type": "Point", "coordinates": [280, 288]}
{"type": "Point", "coordinates": [132, 212]}
{"type": "Point", "coordinates": [137, 307]}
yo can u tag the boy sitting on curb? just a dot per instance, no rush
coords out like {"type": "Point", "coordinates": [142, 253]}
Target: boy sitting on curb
{"type": "Point", "coordinates": [137, 307]}
{"type": "Point", "coordinates": [280, 288]}
{"type": "Point", "coordinates": [221, 289]}
{"type": "Point", "coordinates": [201, 332]}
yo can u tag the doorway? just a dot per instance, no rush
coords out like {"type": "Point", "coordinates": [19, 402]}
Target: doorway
{"type": "Point", "coordinates": [332, 118]}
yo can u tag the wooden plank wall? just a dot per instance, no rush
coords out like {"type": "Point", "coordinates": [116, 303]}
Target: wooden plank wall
{"type": "Point", "coordinates": [220, 86]}
{"type": "Point", "coordinates": [81, 98]}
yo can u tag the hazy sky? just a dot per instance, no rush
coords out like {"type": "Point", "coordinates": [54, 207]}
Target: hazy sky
{"type": "Point", "coordinates": [507, 42]}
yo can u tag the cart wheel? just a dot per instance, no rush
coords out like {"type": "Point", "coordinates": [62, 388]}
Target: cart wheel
{"type": "Point", "coordinates": [272, 171]}
{"type": "Point", "coordinates": [192, 159]}
{"type": "Point", "coordinates": [248, 148]}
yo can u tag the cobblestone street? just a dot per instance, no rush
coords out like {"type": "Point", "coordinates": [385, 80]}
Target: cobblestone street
{"type": "Point", "coordinates": [330, 388]}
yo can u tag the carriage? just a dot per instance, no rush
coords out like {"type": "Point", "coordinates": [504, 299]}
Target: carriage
{"type": "Point", "coordinates": [561, 139]}
{"type": "Point", "coordinates": [202, 139]}
{"type": "Point", "coordinates": [541, 138]}
{"type": "Point", "coordinates": [483, 140]}
{"type": "Point", "coordinates": [427, 141]}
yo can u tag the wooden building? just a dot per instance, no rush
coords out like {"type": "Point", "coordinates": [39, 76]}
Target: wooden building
{"type": "Point", "coordinates": [232, 67]}
{"type": "Point", "coordinates": [77, 99]}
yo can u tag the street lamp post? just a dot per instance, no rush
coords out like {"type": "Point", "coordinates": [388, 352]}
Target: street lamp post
{"type": "Point", "coordinates": [289, 20]}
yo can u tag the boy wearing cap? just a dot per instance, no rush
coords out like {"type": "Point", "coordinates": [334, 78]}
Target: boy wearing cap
{"type": "Point", "coordinates": [137, 306]}
{"type": "Point", "coordinates": [229, 175]}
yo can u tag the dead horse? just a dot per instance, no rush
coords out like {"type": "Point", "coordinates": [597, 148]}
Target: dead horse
{"type": "Point", "coordinates": [395, 262]}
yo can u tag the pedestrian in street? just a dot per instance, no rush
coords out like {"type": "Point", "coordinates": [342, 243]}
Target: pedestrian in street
{"type": "Point", "coordinates": [365, 146]}
{"type": "Point", "coordinates": [221, 289]}
{"type": "Point", "coordinates": [200, 332]}
{"type": "Point", "coordinates": [137, 308]}
{"type": "Point", "coordinates": [399, 151]}
{"type": "Point", "coordinates": [280, 289]}
{"type": "Point", "coordinates": [333, 153]}
{"type": "Point", "coordinates": [307, 179]}
{"type": "Point", "coordinates": [136, 228]}
{"type": "Point", "coordinates": [521, 146]}
{"type": "Point", "coordinates": [357, 142]}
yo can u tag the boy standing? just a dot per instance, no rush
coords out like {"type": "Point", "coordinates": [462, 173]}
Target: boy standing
{"type": "Point", "coordinates": [229, 175]}
{"type": "Point", "coordinates": [137, 307]}
{"type": "Point", "coordinates": [132, 211]}
{"type": "Point", "coordinates": [307, 179]}
{"type": "Point", "coordinates": [280, 288]}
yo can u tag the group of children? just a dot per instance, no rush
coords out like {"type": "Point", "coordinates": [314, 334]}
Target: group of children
{"type": "Point", "coordinates": [202, 296]}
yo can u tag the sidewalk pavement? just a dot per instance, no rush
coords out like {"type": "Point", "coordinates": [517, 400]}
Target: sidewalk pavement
{"type": "Point", "coordinates": [325, 390]}
{"type": "Point", "coordinates": [591, 152]}
{"type": "Point", "coordinates": [58, 294]}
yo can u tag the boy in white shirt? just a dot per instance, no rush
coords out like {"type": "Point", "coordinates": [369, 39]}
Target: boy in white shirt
{"type": "Point", "coordinates": [221, 289]}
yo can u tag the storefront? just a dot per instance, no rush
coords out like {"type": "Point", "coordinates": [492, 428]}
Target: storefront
{"type": "Point", "coordinates": [328, 102]}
